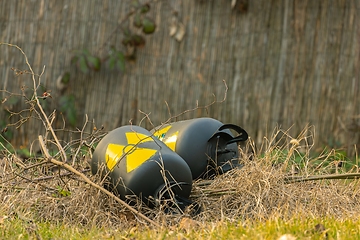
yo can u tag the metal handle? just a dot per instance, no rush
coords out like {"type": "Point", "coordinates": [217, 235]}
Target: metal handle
{"type": "Point", "coordinates": [243, 136]}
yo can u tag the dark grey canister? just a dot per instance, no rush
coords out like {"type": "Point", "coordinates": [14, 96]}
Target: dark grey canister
{"type": "Point", "coordinates": [206, 144]}
{"type": "Point", "coordinates": [139, 164]}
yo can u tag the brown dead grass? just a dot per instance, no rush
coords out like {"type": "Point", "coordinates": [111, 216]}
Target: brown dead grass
{"type": "Point", "coordinates": [258, 191]}
{"type": "Point", "coordinates": [255, 192]}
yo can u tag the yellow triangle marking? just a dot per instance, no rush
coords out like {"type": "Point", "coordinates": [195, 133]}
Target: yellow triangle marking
{"type": "Point", "coordinates": [136, 138]}
{"type": "Point", "coordinates": [138, 157]}
{"type": "Point", "coordinates": [171, 141]}
{"type": "Point", "coordinates": [113, 154]}
{"type": "Point", "coordinates": [161, 133]}
{"type": "Point", "coordinates": [134, 155]}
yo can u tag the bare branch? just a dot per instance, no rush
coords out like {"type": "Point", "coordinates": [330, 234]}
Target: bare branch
{"type": "Point", "coordinates": [91, 183]}
{"type": "Point", "coordinates": [35, 97]}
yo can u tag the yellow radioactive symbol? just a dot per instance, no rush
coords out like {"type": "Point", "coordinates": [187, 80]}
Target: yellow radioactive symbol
{"type": "Point", "coordinates": [134, 155]}
{"type": "Point", "coordinates": [170, 141]}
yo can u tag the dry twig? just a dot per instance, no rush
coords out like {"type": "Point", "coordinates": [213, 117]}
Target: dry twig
{"type": "Point", "coordinates": [87, 180]}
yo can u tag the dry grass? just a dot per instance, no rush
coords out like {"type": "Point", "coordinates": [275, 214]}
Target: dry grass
{"type": "Point", "coordinates": [258, 190]}
{"type": "Point", "coordinates": [255, 192]}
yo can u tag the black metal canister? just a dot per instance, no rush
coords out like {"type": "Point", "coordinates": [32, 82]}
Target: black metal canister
{"type": "Point", "coordinates": [206, 144]}
{"type": "Point", "coordinates": [139, 164]}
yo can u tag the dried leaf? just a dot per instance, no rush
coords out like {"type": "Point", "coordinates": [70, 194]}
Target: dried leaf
{"type": "Point", "coordinates": [233, 3]}
{"type": "Point", "coordinates": [173, 26]}
{"type": "Point", "coordinates": [180, 32]}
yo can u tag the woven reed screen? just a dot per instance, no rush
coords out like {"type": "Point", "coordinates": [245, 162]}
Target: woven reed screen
{"type": "Point", "coordinates": [286, 63]}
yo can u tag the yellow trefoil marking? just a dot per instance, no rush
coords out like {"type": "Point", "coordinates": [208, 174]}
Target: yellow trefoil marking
{"type": "Point", "coordinates": [170, 141]}
{"type": "Point", "coordinates": [134, 155]}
